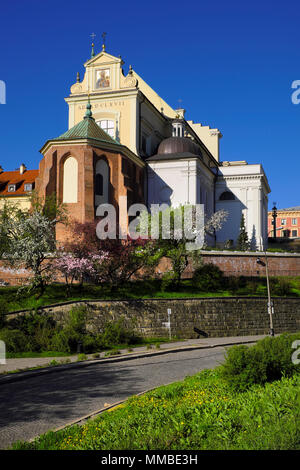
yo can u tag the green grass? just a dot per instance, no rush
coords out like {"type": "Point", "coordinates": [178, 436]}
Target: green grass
{"type": "Point", "coordinates": [56, 293]}
{"type": "Point", "coordinates": [199, 413]}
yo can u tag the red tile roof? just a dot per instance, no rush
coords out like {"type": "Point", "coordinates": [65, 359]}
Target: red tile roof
{"type": "Point", "coordinates": [14, 177]}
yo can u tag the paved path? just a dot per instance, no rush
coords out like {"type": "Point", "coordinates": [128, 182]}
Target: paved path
{"type": "Point", "coordinates": [37, 404]}
{"type": "Point", "coordinates": [24, 363]}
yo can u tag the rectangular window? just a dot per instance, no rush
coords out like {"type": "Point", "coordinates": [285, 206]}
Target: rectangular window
{"type": "Point", "coordinates": [283, 221]}
{"type": "Point", "coordinates": [294, 221]}
{"type": "Point", "coordinates": [294, 233]}
{"type": "Point", "coordinates": [108, 126]}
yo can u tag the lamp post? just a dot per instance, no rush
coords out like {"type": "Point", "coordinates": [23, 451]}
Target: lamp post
{"type": "Point", "coordinates": [270, 302]}
{"type": "Point", "coordinates": [274, 215]}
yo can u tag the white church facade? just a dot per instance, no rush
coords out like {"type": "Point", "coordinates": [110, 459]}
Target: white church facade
{"type": "Point", "coordinates": [131, 142]}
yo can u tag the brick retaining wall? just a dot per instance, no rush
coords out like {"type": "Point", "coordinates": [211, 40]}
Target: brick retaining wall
{"type": "Point", "coordinates": [218, 317]}
{"type": "Point", "coordinates": [231, 263]}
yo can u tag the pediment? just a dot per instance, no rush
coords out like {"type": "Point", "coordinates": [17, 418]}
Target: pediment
{"type": "Point", "coordinates": [103, 58]}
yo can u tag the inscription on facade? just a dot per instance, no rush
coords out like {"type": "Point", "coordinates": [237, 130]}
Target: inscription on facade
{"type": "Point", "coordinates": [108, 104]}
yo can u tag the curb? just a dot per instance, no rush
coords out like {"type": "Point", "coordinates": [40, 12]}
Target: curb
{"type": "Point", "coordinates": [18, 376]}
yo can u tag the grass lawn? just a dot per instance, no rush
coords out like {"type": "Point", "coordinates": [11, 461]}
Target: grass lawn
{"type": "Point", "coordinates": [57, 293]}
{"type": "Point", "coordinates": [199, 413]}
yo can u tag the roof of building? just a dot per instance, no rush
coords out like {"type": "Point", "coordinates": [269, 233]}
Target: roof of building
{"type": "Point", "coordinates": [14, 177]}
{"type": "Point", "coordinates": [175, 146]}
{"type": "Point", "coordinates": [291, 209]}
{"type": "Point", "coordinates": [87, 129]}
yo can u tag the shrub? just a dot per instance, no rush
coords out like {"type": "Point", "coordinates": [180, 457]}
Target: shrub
{"type": "Point", "coordinates": [278, 352]}
{"type": "Point", "coordinates": [244, 367]}
{"type": "Point", "coordinates": [268, 360]}
{"type": "Point", "coordinates": [116, 333]}
{"type": "Point", "coordinates": [73, 332]}
{"type": "Point", "coordinates": [208, 277]}
{"type": "Point", "coordinates": [3, 310]}
{"type": "Point", "coordinates": [65, 340]}
{"type": "Point", "coordinates": [82, 357]}
{"type": "Point", "coordinates": [37, 327]}
{"type": "Point", "coordinates": [77, 319]}
{"type": "Point", "coordinates": [280, 286]}
{"type": "Point", "coordinates": [15, 340]}
{"type": "Point", "coordinates": [91, 343]}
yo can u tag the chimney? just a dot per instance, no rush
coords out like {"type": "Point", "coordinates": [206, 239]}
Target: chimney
{"type": "Point", "coordinates": [22, 169]}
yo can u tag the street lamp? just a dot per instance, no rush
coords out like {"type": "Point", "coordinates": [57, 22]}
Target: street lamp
{"type": "Point", "coordinates": [274, 215]}
{"type": "Point", "coordinates": [270, 302]}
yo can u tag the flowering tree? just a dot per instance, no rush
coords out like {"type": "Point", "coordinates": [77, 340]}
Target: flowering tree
{"type": "Point", "coordinates": [114, 261]}
{"type": "Point", "coordinates": [76, 268]}
{"type": "Point", "coordinates": [31, 240]}
{"type": "Point", "coordinates": [178, 241]}
{"type": "Point", "coordinates": [27, 237]}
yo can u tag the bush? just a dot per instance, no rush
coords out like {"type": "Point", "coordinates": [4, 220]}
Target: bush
{"type": "Point", "coordinates": [208, 277]}
{"type": "Point", "coordinates": [38, 329]}
{"type": "Point", "coordinates": [77, 319]}
{"type": "Point", "coordinates": [15, 340]}
{"type": "Point", "coordinates": [268, 360]}
{"type": "Point", "coordinates": [38, 332]}
{"type": "Point", "coordinates": [244, 367]}
{"type": "Point", "coordinates": [3, 311]}
{"type": "Point", "coordinates": [115, 333]}
{"type": "Point", "coordinates": [73, 332]}
{"type": "Point", "coordinates": [280, 286]}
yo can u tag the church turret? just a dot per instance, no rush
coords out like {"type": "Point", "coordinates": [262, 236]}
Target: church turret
{"type": "Point", "coordinates": [178, 127]}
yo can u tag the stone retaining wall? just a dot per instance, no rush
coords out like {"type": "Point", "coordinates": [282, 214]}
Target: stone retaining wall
{"type": "Point", "coordinates": [218, 317]}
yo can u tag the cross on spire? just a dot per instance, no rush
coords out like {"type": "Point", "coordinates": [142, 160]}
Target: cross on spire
{"type": "Point", "coordinates": [103, 39]}
{"type": "Point", "coordinates": [93, 35]}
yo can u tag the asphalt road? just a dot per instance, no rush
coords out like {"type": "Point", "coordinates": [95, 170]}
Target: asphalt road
{"type": "Point", "coordinates": [33, 406]}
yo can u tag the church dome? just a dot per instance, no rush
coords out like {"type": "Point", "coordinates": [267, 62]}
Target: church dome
{"type": "Point", "coordinates": [178, 145]}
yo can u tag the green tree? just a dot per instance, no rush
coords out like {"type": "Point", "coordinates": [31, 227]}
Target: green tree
{"type": "Point", "coordinates": [243, 240]}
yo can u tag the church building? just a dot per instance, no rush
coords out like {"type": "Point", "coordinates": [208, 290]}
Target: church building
{"type": "Point", "coordinates": [123, 139]}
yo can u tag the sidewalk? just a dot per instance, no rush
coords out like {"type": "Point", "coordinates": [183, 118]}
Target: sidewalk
{"type": "Point", "coordinates": [23, 364]}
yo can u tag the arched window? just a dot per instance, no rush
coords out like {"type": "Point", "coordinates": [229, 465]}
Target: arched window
{"type": "Point", "coordinates": [70, 181]}
{"type": "Point", "coordinates": [101, 183]}
{"type": "Point", "coordinates": [227, 196]}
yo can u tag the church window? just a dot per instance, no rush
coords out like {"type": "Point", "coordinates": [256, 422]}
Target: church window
{"type": "Point", "coordinates": [108, 126]}
{"type": "Point", "coordinates": [99, 185]}
{"type": "Point", "coordinates": [70, 181]}
{"type": "Point", "coordinates": [227, 196]}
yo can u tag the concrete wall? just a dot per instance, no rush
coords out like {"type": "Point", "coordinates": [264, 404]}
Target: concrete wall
{"type": "Point", "coordinates": [218, 317]}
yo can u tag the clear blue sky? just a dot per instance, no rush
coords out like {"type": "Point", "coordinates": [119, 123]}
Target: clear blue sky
{"type": "Point", "coordinates": [232, 65]}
